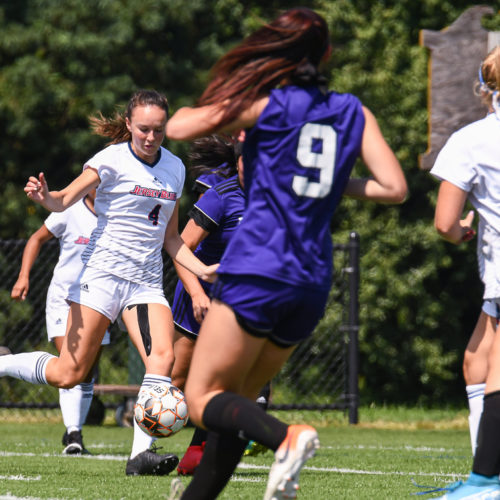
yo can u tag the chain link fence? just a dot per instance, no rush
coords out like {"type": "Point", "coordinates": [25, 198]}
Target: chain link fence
{"type": "Point", "coordinates": [321, 374]}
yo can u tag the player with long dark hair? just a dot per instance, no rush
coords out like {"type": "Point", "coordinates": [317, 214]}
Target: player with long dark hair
{"type": "Point", "coordinates": [300, 146]}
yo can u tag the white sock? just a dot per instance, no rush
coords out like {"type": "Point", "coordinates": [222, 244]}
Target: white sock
{"type": "Point", "coordinates": [475, 395]}
{"type": "Point", "coordinates": [75, 404]}
{"type": "Point", "coordinates": [142, 440]}
{"type": "Point", "coordinates": [27, 366]}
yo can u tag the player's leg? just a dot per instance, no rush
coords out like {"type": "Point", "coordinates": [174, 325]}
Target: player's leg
{"type": "Point", "coordinates": [475, 366]}
{"type": "Point", "coordinates": [84, 334]}
{"type": "Point", "coordinates": [224, 381]}
{"type": "Point", "coordinates": [483, 481]}
{"type": "Point", "coordinates": [299, 444]}
{"type": "Point", "coordinates": [183, 351]}
{"type": "Point", "coordinates": [253, 448]}
{"type": "Point", "coordinates": [150, 327]}
{"type": "Point", "coordinates": [214, 391]}
{"type": "Point", "coordinates": [75, 404]}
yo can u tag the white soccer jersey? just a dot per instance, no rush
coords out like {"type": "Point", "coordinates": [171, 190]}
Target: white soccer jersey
{"type": "Point", "coordinates": [134, 203]}
{"type": "Point", "coordinates": [470, 160]}
{"type": "Point", "coordinates": [72, 228]}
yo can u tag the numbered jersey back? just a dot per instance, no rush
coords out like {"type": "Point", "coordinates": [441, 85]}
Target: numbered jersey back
{"type": "Point", "coordinates": [298, 159]}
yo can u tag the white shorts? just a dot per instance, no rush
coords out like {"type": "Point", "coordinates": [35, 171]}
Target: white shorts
{"type": "Point", "coordinates": [110, 295]}
{"type": "Point", "coordinates": [492, 308]}
{"type": "Point", "coordinates": [488, 255]}
{"type": "Point", "coordinates": [56, 317]}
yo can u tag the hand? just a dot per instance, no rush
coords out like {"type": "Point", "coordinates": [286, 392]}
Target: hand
{"type": "Point", "coordinates": [201, 303]}
{"type": "Point", "coordinates": [466, 223]}
{"type": "Point", "coordinates": [20, 289]}
{"type": "Point", "coordinates": [37, 189]}
{"type": "Point", "coordinates": [210, 273]}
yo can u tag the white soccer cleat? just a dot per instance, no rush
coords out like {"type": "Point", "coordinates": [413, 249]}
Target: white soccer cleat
{"type": "Point", "coordinates": [300, 445]}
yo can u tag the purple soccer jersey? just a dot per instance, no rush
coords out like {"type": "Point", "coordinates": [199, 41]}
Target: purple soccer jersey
{"type": "Point", "coordinates": [298, 159]}
{"type": "Point", "coordinates": [211, 178]}
{"type": "Point", "coordinates": [218, 211]}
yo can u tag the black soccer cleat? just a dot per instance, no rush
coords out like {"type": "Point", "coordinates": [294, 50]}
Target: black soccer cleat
{"type": "Point", "coordinates": [149, 463]}
{"type": "Point", "coordinates": [73, 444]}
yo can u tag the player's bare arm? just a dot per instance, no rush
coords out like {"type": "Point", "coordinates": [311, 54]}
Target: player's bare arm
{"type": "Point", "coordinates": [191, 123]}
{"type": "Point", "coordinates": [449, 209]}
{"type": "Point", "coordinates": [57, 201]}
{"type": "Point", "coordinates": [179, 251]}
{"type": "Point", "coordinates": [193, 235]}
{"type": "Point", "coordinates": [388, 184]}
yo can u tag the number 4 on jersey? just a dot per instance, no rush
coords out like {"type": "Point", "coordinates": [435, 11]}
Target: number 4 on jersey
{"type": "Point", "coordinates": [154, 215]}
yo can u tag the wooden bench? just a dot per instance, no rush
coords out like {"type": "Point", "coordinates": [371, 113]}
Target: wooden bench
{"type": "Point", "coordinates": [129, 391]}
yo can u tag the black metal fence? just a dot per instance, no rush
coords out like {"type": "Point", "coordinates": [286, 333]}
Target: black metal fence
{"type": "Point", "coordinates": [321, 374]}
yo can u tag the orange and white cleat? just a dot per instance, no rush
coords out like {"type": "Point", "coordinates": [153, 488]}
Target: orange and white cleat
{"type": "Point", "coordinates": [300, 445]}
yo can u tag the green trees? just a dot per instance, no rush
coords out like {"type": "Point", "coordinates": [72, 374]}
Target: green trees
{"type": "Point", "coordinates": [420, 297]}
{"type": "Point", "coordinates": [63, 61]}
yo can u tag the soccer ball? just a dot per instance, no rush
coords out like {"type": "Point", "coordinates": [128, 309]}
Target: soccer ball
{"type": "Point", "coordinates": [161, 410]}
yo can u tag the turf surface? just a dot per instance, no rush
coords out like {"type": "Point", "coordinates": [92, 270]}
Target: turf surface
{"type": "Point", "coordinates": [377, 459]}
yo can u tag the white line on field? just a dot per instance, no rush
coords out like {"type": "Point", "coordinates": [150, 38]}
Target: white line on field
{"type": "Point", "coordinates": [247, 466]}
{"type": "Point", "coordinates": [358, 471]}
{"type": "Point", "coordinates": [389, 448]}
{"type": "Point", "coordinates": [60, 455]}
{"type": "Point", "coordinates": [20, 477]}
{"type": "Point", "coordinates": [8, 496]}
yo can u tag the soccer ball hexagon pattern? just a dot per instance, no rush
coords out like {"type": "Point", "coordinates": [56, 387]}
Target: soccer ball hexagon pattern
{"type": "Point", "coordinates": [161, 410]}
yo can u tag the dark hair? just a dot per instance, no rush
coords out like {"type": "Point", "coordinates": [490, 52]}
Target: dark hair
{"type": "Point", "coordinates": [213, 154]}
{"type": "Point", "coordinates": [116, 127]}
{"type": "Point", "coordinates": [290, 47]}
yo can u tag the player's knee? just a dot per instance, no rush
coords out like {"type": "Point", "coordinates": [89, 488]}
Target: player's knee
{"type": "Point", "coordinates": [160, 362]}
{"type": "Point", "coordinates": [69, 379]}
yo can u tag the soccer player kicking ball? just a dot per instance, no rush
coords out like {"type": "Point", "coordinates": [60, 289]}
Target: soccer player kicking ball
{"type": "Point", "coordinates": [138, 185]}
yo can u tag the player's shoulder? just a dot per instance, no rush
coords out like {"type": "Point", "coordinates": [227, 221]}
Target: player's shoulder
{"type": "Point", "coordinates": [111, 155]}
{"type": "Point", "coordinates": [171, 163]}
{"type": "Point", "coordinates": [477, 129]}
{"type": "Point", "coordinates": [475, 136]}
{"type": "Point", "coordinates": [167, 155]}
{"type": "Point", "coordinates": [227, 186]}
{"type": "Point", "coordinates": [311, 103]}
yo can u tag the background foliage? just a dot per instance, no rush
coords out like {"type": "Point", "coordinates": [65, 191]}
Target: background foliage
{"type": "Point", "coordinates": [63, 61]}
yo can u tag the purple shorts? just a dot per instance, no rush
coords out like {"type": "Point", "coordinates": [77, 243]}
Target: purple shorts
{"type": "Point", "coordinates": [182, 311]}
{"type": "Point", "coordinates": [283, 313]}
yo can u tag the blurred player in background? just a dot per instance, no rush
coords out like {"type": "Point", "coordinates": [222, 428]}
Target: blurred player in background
{"type": "Point", "coordinates": [212, 222]}
{"type": "Point", "coordinates": [300, 146]}
{"type": "Point", "coordinates": [138, 184]}
{"type": "Point", "coordinates": [72, 228]}
{"type": "Point", "coordinates": [469, 169]}
{"type": "Point", "coordinates": [212, 160]}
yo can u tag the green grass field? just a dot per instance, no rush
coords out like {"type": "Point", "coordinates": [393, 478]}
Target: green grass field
{"type": "Point", "coordinates": [376, 459]}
